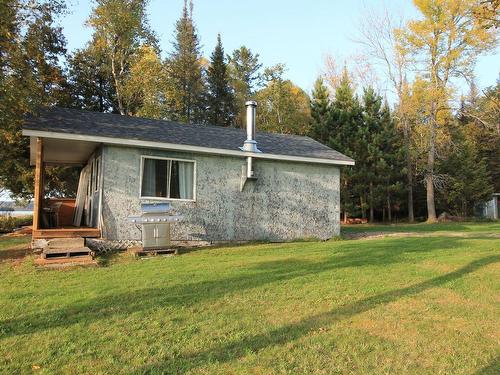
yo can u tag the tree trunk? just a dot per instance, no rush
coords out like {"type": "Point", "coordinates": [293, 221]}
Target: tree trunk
{"type": "Point", "coordinates": [389, 213]}
{"type": "Point", "coordinates": [409, 173]}
{"type": "Point", "coordinates": [119, 98]}
{"type": "Point", "coordinates": [371, 203]}
{"type": "Point", "coordinates": [101, 98]}
{"type": "Point", "coordinates": [429, 178]}
{"type": "Point", "coordinates": [362, 203]}
{"type": "Point", "coordinates": [383, 214]}
{"type": "Point", "coordinates": [431, 208]}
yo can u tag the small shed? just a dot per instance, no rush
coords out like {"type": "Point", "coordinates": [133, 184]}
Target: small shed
{"type": "Point", "coordinates": [490, 208]}
{"type": "Point", "coordinates": [228, 184]}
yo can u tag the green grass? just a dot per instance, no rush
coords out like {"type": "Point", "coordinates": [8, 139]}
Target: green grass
{"type": "Point", "coordinates": [7, 242]}
{"type": "Point", "coordinates": [390, 305]}
{"type": "Point", "coordinates": [465, 227]}
{"type": "Point", "coordinates": [13, 248]}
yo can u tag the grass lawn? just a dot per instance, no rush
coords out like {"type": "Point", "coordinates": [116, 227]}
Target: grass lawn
{"type": "Point", "coordinates": [13, 248]}
{"type": "Point", "coordinates": [465, 227]}
{"type": "Point", "coordinates": [389, 305]}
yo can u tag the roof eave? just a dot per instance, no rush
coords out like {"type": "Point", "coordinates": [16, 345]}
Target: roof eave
{"type": "Point", "coordinates": [181, 147]}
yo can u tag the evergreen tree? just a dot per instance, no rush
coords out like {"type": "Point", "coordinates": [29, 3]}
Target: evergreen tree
{"type": "Point", "coordinates": [320, 107]}
{"type": "Point", "coordinates": [186, 87]}
{"type": "Point", "coordinates": [391, 162]}
{"type": "Point", "coordinates": [245, 78]}
{"type": "Point", "coordinates": [367, 148]}
{"type": "Point", "coordinates": [479, 118]}
{"type": "Point", "coordinates": [90, 84]}
{"type": "Point", "coordinates": [345, 117]}
{"type": "Point", "coordinates": [468, 179]}
{"type": "Point", "coordinates": [220, 99]}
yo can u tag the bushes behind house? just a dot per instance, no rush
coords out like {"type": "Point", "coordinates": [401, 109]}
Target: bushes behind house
{"type": "Point", "coordinates": [9, 223]}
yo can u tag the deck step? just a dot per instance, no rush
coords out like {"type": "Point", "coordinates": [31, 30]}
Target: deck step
{"type": "Point", "coordinates": [65, 262]}
{"type": "Point", "coordinates": [65, 243]}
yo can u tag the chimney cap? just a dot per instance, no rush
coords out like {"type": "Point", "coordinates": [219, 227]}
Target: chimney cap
{"type": "Point", "coordinates": [253, 103]}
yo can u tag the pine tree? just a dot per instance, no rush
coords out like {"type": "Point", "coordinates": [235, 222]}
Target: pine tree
{"type": "Point", "coordinates": [220, 98]}
{"type": "Point", "coordinates": [186, 87]}
{"type": "Point", "coordinates": [345, 118]}
{"type": "Point", "coordinates": [90, 84]}
{"type": "Point", "coordinates": [245, 78]}
{"type": "Point", "coordinates": [391, 160]}
{"type": "Point", "coordinates": [468, 178]}
{"type": "Point", "coordinates": [320, 107]}
{"type": "Point", "coordinates": [368, 154]}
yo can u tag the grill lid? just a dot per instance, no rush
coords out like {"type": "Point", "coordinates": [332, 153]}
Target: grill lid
{"type": "Point", "coordinates": [156, 208]}
{"type": "Point", "coordinates": [155, 213]}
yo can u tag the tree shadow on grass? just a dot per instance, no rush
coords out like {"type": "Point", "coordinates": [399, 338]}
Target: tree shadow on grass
{"type": "Point", "coordinates": [282, 335]}
{"type": "Point", "coordinates": [254, 276]}
{"type": "Point", "coordinates": [492, 368]}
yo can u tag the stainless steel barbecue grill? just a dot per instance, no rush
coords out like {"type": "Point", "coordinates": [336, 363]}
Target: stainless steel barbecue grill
{"type": "Point", "coordinates": [155, 221]}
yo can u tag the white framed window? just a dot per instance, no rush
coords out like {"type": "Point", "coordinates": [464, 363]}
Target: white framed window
{"type": "Point", "coordinates": [168, 178]}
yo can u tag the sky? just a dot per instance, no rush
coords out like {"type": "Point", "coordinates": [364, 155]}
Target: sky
{"type": "Point", "coordinates": [295, 32]}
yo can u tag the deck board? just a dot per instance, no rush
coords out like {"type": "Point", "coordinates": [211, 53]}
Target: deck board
{"type": "Point", "coordinates": [67, 232]}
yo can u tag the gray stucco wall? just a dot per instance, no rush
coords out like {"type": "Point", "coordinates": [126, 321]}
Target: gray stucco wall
{"type": "Point", "coordinates": [287, 201]}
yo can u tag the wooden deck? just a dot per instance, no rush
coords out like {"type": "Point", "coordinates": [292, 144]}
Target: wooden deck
{"type": "Point", "coordinates": [67, 232]}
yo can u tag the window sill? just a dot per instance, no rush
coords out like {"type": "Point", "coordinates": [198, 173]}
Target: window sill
{"type": "Point", "coordinates": [167, 199]}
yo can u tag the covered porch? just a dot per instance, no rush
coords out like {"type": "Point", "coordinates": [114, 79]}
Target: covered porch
{"type": "Point", "coordinates": [77, 215]}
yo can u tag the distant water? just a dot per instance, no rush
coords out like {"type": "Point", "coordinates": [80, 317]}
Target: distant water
{"type": "Point", "coordinates": [16, 213]}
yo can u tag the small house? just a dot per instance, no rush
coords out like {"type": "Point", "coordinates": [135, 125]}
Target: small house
{"type": "Point", "coordinates": [489, 209]}
{"type": "Point", "coordinates": [227, 184]}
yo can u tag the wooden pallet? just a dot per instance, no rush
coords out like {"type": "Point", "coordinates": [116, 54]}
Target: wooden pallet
{"type": "Point", "coordinates": [140, 252]}
{"type": "Point", "coordinates": [66, 253]}
{"type": "Point", "coordinates": [65, 262]}
{"type": "Point", "coordinates": [61, 256]}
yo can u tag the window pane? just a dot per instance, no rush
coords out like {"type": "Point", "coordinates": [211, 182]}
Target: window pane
{"type": "Point", "coordinates": [185, 179]}
{"type": "Point", "coordinates": [174, 180]}
{"type": "Point", "coordinates": [167, 179]}
{"type": "Point", "coordinates": [154, 178]}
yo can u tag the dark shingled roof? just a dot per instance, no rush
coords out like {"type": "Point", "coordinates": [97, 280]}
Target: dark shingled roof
{"type": "Point", "coordinates": [82, 122]}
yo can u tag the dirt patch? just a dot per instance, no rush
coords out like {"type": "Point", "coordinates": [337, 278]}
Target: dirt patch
{"type": "Point", "coordinates": [21, 232]}
{"type": "Point", "coordinates": [374, 235]}
{"type": "Point", "coordinates": [15, 252]}
{"type": "Point", "coordinates": [14, 247]}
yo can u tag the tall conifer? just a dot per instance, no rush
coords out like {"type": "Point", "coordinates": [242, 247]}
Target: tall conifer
{"type": "Point", "coordinates": [245, 78]}
{"type": "Point", "coordinates": [220, 98]}
{"type": "Point", "coordinates": [186, 87]}
{"type": "Point", "coordinates": [320, 106]}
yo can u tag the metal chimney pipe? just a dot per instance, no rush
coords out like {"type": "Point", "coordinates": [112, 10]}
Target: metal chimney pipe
{"type": "Point", "coordinates": [250, 144]}
{"type": "Point", "coordinates": [251, 111]}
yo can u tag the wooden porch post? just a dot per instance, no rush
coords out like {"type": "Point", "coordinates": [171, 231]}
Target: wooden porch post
{"type": "Point", "coordinates": [39, 189]}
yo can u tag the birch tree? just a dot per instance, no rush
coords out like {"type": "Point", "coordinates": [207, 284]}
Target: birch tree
{"type": "Point", "coordinates": [283, 107]}
{"type": "Point", "coordinates": [445, 42]}
{"type": "Point", "coordinates": [120, 29]}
